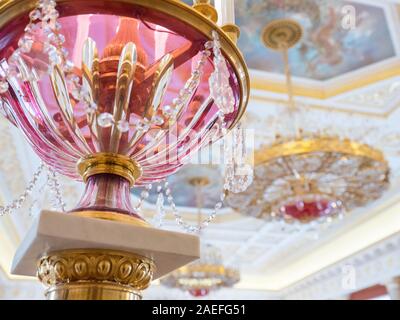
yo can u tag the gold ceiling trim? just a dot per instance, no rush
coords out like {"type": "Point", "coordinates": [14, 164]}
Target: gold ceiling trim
{"type": "Point", "coordinates": [11, 9]}
{"type": "Point", "coordinates": [261, 83]}
{"type": "Point", "coordinates": [326, 144]}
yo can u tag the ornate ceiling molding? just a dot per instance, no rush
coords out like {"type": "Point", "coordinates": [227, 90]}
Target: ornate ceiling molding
{"type": "Point", "coordinates": [378, 263]}
{"type": "Point", "coordinates": [323, 90]}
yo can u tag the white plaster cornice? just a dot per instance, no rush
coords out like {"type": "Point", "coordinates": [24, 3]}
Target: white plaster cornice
{"type": "Point", "coordinates": [376, 264]}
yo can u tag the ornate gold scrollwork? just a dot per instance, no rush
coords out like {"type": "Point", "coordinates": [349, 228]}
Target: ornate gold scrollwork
{"type": "Point", "coordinates": [94, 273]}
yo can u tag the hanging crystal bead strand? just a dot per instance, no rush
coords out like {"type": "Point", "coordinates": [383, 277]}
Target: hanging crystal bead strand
{"type": "Point", "coordinates": [185, 94]}
{"type": "Point", "coordinates": [238, 174]}
{"type": "Point", "coordinates": [220, 89]}
{"type": "Point", "coordinates": [37, 200]}
{"type": "Point", "coordinates": [179, 219]}
{"type": "Point", "coordinates": [17, 203]}
{"type": "Point", "coordinates": [44, 17]}
{"type": "Point", "coordinates": [54, 185]}
{"type": "Point", "coordinates": [222, 94]}
{"type": "Point", "coordinates": [143, 197]}
{"type": "Point", "coordinates": [170, 112]}
{"type": "Point", "coordinates": [159, 217]}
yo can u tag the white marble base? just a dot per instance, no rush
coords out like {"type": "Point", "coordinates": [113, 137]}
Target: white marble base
{"type": "Point", "coordinates": [53, 231]}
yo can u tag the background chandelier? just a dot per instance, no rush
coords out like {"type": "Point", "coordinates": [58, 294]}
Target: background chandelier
{"type": "Point", "coordinates": [209, 272]}
{"type": "Point", "coordinates": [307, 175]}
{"type": "Point", "coordinates": [117, 95]}
{"type": "Point", "coordinates": [204, 275]}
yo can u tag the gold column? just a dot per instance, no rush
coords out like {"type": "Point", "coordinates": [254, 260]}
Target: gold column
{"type": "Point", "coordinates": [92, 274]}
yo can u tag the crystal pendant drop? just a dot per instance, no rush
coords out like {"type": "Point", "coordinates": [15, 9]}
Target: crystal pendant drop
{"type": "Point", "coordinates": [238, 179]}
{"type": "Point", "coordinates": [68, 66]}
{"type": "Point", "coordinates": [123, 125]}
{"type": "Point", "coordinates": [143, 125]}
{"type": "Point", "coordinates": [32, 28]}
{"type": "Point", "coordinates": [160, 209]}
{"type": "Point", "coordinates": [61, 39]}
{"type": "Point", "coordinates": [160, 202]}
{"type": "Point", "coordinates": [35, 15]}
{"type": "Point", "coordinates": [3, 86]}
{"type": "Point", "coordinates": [47, 5]}
{"type": "Point", "coordinates": [168, 111]}
{"type": "Point", "coordinates": [91, 108]}
{"type": "Point", "coordinates": [52, 15]}
{"type": "Point", "coordinates": [54, 57]}
{"type": "Point", "coordinates": [157, 120]}
{"type": "Point", "coordinates": [47, 29]}
{"type": "Point", "coordinates": [53, 38]}
{"type": "Point", "coordinates": [105, 120]}
{"type": "Point", "coordinates": [244, 177]}
{"type": "Point", "coordinates": [238, 174]}
{"type": "Point", "coordinates": [25, 44]}
{"type": "Point", "coordinates": [220, 88]}
{"type": "Point", "coordinates": [209, 45]}
{"type": "Point", "coordinates": [144, 194]}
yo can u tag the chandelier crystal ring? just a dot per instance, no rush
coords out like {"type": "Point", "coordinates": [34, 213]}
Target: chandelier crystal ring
{"type": "Point", "coordinates": [303, 180]}
{"type": "Point", "coordinates": [202, 277]}
{"type": "Point", "coordinates": [328, 145]}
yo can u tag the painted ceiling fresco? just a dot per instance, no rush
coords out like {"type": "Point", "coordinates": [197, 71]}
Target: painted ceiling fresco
{"type": "Point", "coordinates": [185, 193]}
{"type": "Point", "coordinates": [327, 49]}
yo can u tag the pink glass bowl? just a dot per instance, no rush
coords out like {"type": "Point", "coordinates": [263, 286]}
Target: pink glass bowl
{"type": "Point", "coordinates": [156, 28]}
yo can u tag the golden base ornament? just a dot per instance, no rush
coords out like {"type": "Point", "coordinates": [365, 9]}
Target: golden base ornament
{"type": "Point", "coordinates": [98, 255]}
{"type": "Point", "coordinates": [90, 274]}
